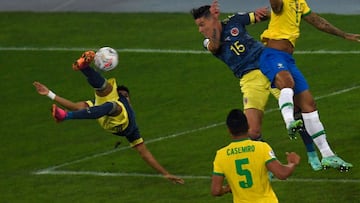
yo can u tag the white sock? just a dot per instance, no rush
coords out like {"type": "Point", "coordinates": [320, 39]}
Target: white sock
{"type": "Point", "coordinates": [286, 104]}
{"type": "Point", "coordinates": [316, 130]}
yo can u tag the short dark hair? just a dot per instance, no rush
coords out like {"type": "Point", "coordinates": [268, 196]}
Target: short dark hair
{"type": "Point", "coordinates": [203, 11]}
{"type": "Point", "coordinates": [237, 123]}
{"type": "Point", "coordinates": [124, 88]}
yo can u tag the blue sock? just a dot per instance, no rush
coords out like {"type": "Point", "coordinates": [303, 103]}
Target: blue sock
{"type": "Point", "coordinates": [94, 78]}
{"type": "Point", "coordinates": [69, 115]}
{"type": "Point", "coordinates": [308, 141]}
{"type": "Point", "coordinates": [92, 112]}
{"type": "Point", "coordinates": [309, 144]}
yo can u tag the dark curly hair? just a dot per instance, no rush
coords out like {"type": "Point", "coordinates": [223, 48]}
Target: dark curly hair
{"type": "Point", "coordinates": [237, 123]}
{"type": "Point", "coordinates": [203, 11]}
{"type": "Point", "coordinates": [124, 88]}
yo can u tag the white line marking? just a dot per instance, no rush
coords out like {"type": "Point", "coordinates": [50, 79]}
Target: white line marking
{"type": "Point", "coordinates": [51, 170]}
{"type": "Point", "coordinates": [166, 51]}
{"type": "Point", "coordinates": [107, 174]}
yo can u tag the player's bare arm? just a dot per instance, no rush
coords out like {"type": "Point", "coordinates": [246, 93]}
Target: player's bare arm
{"type": "Point", "coordinates": [44, 90]}
{"type": "Point", "coordinates": [282, 171]}
{"type": "Point", "coordinates": [147, 156]}
{"type": "Point", "coordinates": [217, 187]}
{"type": "Point", "coordinates": [323, 25]}
{"type": "Point", "coordinates": [276, 6]}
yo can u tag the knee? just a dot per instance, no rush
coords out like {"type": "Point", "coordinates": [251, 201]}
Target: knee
{"type": "Point", "coordinates": [105, 91]}
{"type": "Point", "coordinates": [284, 80]}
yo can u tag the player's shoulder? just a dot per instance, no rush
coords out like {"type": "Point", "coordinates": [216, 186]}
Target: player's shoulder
{"type": "Point", "coordinates": [239, 16]}
{"type": "Point", "coordinates": [261, 144]}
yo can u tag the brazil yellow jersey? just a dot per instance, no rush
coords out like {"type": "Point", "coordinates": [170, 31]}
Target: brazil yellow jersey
{"type": "Point", "coordinates": [286, 24]}
{"type": "Point", "coordinates": [243, 163]}
{"type": "Point", "coordinates": [112, 124]}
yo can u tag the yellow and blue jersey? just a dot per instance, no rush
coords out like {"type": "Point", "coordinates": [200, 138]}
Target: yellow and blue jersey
{"type": "Point", "coordinates": [238, 49]}
{"type": "Point", "coordinates": [243, 164]}
{"type": "Point", "coordinates": [286, 25]}
{"type": "Point", "coordinates": [123, 124]}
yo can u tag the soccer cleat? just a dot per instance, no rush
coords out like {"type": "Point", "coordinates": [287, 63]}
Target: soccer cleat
{"type": "Point", "coordinates": [336, 162]}
{"type": "Point", "coordinates": [314, 161]}
{"type": "Point", "coordinates": [58, 113]}
{"type": "Point", "coordinates": [84, 61]}
{"type": "Point", "coordinates": [293, 127]}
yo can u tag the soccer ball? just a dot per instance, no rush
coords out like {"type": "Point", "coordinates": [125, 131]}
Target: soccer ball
{"type": "Point", "coordinates": [106, 58]}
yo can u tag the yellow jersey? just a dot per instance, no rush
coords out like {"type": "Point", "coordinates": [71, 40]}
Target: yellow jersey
{"type": "Point", "coordinates": [112, 124]}
{"type": "Point", "coordinates": [286, 24]}
{"type": "Point", "coordinates": [243, 163]}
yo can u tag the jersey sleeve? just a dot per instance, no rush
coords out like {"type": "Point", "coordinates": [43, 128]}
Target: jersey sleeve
{"type": "Point", "coordinates": [269, 154]}
{"type": "Point", "coordinates": [245, 18]}
{"type": "Point", "coordinates": [305, 9]}
{"type": "Point", "coordinates": [217, 169]}
{"type": "Point", "coordinates": [90, 103]}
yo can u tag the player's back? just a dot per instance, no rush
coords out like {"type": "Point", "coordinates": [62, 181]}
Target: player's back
{"type": "Point", "coordinates": [243, 162]}
{"type": "Point", "coordinates": [239, 50]}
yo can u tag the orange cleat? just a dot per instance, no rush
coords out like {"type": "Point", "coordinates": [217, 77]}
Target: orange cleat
{"type": "Point", "coordinates": [84, 61]}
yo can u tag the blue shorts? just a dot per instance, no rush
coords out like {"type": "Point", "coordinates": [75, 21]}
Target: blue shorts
{"type": "Point", "coordinates": [132, 132]}
{"type": "Point", "coordinates": [273, 61]}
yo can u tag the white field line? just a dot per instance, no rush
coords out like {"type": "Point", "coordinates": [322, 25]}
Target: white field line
{"type": "Point", "coordinates": [52, 169]}
{"type": "Point", "coordinates": [166, 51]}
{"type": "Point", "coordinates": [110, 174]}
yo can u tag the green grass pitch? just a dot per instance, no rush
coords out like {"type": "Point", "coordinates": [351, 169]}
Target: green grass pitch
{"type": "Point", "coordinates": [181, 100]}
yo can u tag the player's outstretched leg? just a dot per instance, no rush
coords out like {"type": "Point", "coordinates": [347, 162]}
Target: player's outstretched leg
{"type": "Point", "coordinates": [316, 129]}
{"type": "Point", "coordinates": [313, 158]}
{"type": "Point", "coordinates": [94, 78]}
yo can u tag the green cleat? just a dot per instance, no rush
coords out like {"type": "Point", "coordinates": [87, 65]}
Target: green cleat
{"type": "Point", "coordinates": [314, 161]}
{"type": "Point", "coordinates": [293, 128]}
{"type": "Point", "coordinates": [336, 162]}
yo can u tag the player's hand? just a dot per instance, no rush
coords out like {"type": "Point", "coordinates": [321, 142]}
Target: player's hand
{"type": "Point", "coordinates": [40, 88]}
{"type": "Point", "coordinates": [174, 179]}
{"type": "Point", "coordinates": [352, 37]}
{"type": "Point", "coordinates": [262, 13]}
{"type": "Point", "coordinates": [292, 157]}
{"type": "Point", "coordinates": [215, 9]}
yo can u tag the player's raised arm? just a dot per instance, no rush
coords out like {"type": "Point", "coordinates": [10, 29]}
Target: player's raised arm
{"type": "Point", "coordinates": [214, 37]}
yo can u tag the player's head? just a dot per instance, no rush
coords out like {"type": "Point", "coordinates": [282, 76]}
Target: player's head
{"type": "Point", "coordinates": [204, 20]}
{"type": "Point", "coordinates": [124, 91]}
{"type": "Point", "coordinates": [237, 123]}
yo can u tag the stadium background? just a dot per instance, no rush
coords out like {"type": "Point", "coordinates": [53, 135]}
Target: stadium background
{"type": "Point", "coordinates": [321, 6]}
